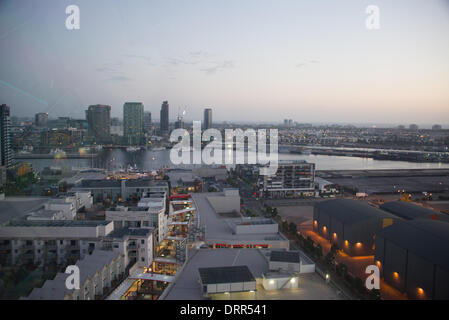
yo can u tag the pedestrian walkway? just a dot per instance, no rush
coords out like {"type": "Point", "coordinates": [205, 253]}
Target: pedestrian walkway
{"type": "Point", "coordinates": [125, 285]}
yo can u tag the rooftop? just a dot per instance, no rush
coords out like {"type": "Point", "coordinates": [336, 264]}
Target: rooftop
{"type": "Point", "coordinates": [186, 284]}
{"type": "Point", "coordinates": [351, 211]}
{"type": "Point", "coordinates": [139, 232]}
{"type": "Point", "coordinates": [56, 223]}
{"type": "Point", "coordinates": [285, 256]}
{"type": "Point", "coordinates": [218, 228]}
{"type": "Point", "coordinates": [232, 274]}
{"type": "Point", "coordinates": [410, 211]}
{"type": "Point", "coordinates": [56, 289]}
{"type": "Point", "coordinates": [17, 207]}
{"type": "Point", "coordinates": [131, 183]}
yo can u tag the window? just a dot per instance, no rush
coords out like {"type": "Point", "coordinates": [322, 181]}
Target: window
{"type": "Point", "coordinates": [143, 259]}
{"type": "Point", "coordinates": [142, 241]}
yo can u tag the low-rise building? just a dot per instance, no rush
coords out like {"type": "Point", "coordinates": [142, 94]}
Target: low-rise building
{"type": "Point", "coordinates": [184, 181]}
{"type": "Point", "coordinates": [351, 224]}
{"type": "Point", "coordinates": [216, 211]}
{"type": "Point", "coordinates": [47, 241]}
{"type": "Point", "coordinates": [99, 273]}
{"type": "Point", "coordinates": [118, 190]}
{"type": "Point", "coordinates": [226, 280]}
{"type": "Point", "coordinates": [152, 215]}
{"type": "Point", "coordinates": [136, 245]}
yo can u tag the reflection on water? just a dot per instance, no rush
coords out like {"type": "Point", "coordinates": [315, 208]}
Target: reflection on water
{"type": "Point", "coordinates": [152, 160]}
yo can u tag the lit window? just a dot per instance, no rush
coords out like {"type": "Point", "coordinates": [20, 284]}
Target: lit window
{"type": "Point", "coordinates": [396, 275]}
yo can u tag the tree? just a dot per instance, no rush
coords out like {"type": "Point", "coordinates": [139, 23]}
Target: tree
{"type": "Point", "coordinates": [329, 258]}
{"type": "Point", "coordinates": [319, 251]}
{"type": "Point", "coordinates": [284, 226]}
{"type": "Point", "coordinates": [292, 228]}
{"type": "Point", "coordinates": [334, 248]}
{"type": "Point", "coordinates": [374, 294]}
{"type": "Point", "coordinates": [342, 269]}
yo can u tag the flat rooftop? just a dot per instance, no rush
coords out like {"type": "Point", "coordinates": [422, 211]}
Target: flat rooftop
{"type": "Point", "coordinates": [285, 256]}
{"type": "Point", "coordinates": [56, 223]}
{"type": "Point", "coordinates": [139, 232]}
{"type": "Point", "coordinates": [218, 228]}
{"type": "Point", "coordinates": [186, 284]}
{"type": "Point", "coordinates": [260, 221]}
{"type": "Point", "coordinates": [232, 274]}
{"type": "Point", "coordinates": [18, 207]}
{"type": "Point", "coordinates": [351, 211]}
{"type": "Point", "coordinates": [131, 183]}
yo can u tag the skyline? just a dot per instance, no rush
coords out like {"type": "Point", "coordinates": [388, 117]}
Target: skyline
{"type": "Point", "coordinates": [288, 63]}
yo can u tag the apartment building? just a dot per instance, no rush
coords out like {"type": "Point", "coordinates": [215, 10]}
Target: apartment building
{"type": "Point", "coordinates": [40, 242]}
{"type": "Point", "coordinates": [118, 190]}
{"type": "Point", "coordinates": [293, 179]}
{"type": "Point", "coordinates": [63, 207]}
{"type": "Point", "coordinates": [100, 272]}
{"type": "Point", "coordinates": [149, 213]}
{"type": "Point", "coordinates": [136, 245]}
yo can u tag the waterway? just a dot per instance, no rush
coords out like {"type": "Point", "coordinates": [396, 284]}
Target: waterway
{"type": "Point", "coordinates": [147, 160]}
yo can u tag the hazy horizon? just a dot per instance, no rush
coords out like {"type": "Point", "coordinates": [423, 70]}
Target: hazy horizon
{"type": "Point", "coordinates": [251, 61]}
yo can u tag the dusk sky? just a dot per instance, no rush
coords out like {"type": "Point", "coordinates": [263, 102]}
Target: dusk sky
{"type": "Point", "coordinates": [250, 60]}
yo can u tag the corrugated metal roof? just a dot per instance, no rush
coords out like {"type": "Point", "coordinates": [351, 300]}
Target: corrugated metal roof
{"type": "Point", "coordinates": [410, 211]}
{"type": "Point", "coordinates": [351, 211]}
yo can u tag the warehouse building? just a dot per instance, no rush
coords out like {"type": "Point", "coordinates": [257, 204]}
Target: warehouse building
{"type": "Point", "coordinates": [410, 211]}
{"type": "Point", "coordinates": [413, 257]}
{"type": "Point", "coordinates": [351, 224]}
